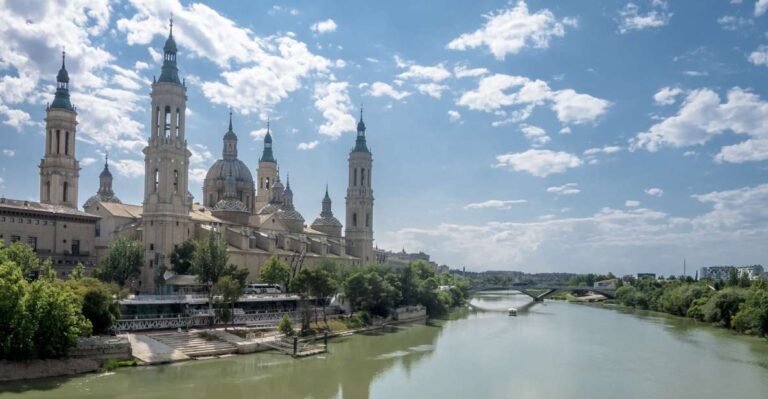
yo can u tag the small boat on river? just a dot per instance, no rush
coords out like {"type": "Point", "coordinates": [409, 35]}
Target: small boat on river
{"type": "Point", "coordinates": [512, 311]}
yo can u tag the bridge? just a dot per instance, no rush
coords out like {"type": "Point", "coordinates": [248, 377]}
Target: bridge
{"type": "Point", "coordinates": [539, 293]}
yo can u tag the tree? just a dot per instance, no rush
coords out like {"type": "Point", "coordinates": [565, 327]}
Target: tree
{"type": "Point", "coordinates": [302, 285]}
{"type": "Point", "coordinates": [226, 292]}
{"type": "Point", "coordinates": [323, 287]}
{"type": "Point", "coordinates": [23, 256]}
{"type": "Point", "coordinates": [123, 261]}
{"type": "Point", "coordinates": [54, 313]}
{"type": "Point", "coordinates": [285, 326]}
{"type": "Point", "coordinates": [210, 260]}
{"type": "Point", "coordinates": [99, 302]}
{"type": "Point", "coordinates": [182, 257]}
{"type": "Point", "coordinates": [78, 271]}
{"type": "Point", "coordinates": [13, 288]}
{"type": "Point", "coordinates": [275, 272]}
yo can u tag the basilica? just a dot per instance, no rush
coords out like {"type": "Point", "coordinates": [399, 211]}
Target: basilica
{"type": "Point", "coordinates": [256, 218]}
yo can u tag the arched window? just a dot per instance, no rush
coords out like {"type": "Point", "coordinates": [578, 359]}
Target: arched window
{"type": "Point", "coordinates": [50, 142]}
{"type": "Point", "coordinates": [48, 190]}
{"type": "Point", "coordinates": [58, 141]}
{"type": "Point", "coordinates": [210, 199]}
{"type": "Point", "coordinates": [156, 179]}
{"type": "Point", "coordinates": [369, 177]}
{"type": "Point", "coordinates": [175, 181]}
{"type": "Point", "coordinates": [66, 143]}
{"type": "Point", "coordinates": [157, 120]}
{"type": "Point", "coordinates": [354, 220]}
{"type": "Point", "coordinates": [267, 183]}
{"type": "Point", "coordinates": [167, 120]}
{"type": "Point", "coordinates": [65, 192]}
{"type": "Point", "coordinates": [178, 124]}
{"type": "Point", "coordinates": [354, 181]}
{"type": "Point", "coordinates": [367, 219]}
{"type": "Point", "coordinates": [362, 177]}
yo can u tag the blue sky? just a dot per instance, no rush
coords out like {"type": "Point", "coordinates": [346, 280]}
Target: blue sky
{"type": "Point", "coordinates": [539, 136]}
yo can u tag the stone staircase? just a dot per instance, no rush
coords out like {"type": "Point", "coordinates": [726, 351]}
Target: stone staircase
{"type": "Point", "coordinates": [194, 345]}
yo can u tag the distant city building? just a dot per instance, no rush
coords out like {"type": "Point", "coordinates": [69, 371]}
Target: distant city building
{"type": "Point", "coordinates": [443, 269]}
{"type": "Point", "coordinates": [724, 272]}
{"type": "Point", "coordinates": [641, 276]}
{"type": "Point", "coordinates": [401, 259]}
{"type": "Point", "coordinates": [610, 284]}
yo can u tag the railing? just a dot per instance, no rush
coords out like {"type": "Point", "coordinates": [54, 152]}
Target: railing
{"type": "Point", "coordinates": [200, 297]}
{"type": "Point", "coordinates": [171, 321]}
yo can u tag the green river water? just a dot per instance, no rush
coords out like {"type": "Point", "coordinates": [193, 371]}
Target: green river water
{"type": "Point", "coordinates": [554, 350]}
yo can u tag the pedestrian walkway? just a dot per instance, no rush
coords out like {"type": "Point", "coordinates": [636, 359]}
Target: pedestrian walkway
{"type": "Point", "coordinates": [194, 344]}
{"type": "Point", "coordinates": [150, 351]}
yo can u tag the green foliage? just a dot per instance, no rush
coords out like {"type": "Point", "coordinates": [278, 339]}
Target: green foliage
{"type": "Point", "coordinates": [275, 272]}
{"type": "Point", "coordinates": [373, 289]}
{"type": "Point", "coordinates": [112, 364]}
{"type": "Point", "coordinates": [99, 302]}
{"type": "Point", "coordinates": [23, 256]}
{"type": "Point", "coordinates": [123, 261]}
{"type": "Point", "coordinates": [358, 320]}
{"type": "Point", "coordinates": [78, 272]}
{"type": "Point", "coordinates": [210, 260]}
{"type": "Point", "coordinates": [285, 326]}
{"type": "Point", "coordinates": [182, 257]}
{"type": "Point", "coordinates": [13, 288]}
{"type": "Point", "coordinates": [752, 317]}
{"type": "Point", "coordinates": [723, 306]}
{"type": "Point", "coordinates": [225, 293]}
{"type": "Point", "coordinates": [53, 313]}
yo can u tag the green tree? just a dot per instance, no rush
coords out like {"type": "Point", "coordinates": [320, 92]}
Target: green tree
{"type": "Point", "coordinates": [285, 326]}
{"type": "Point", "coordinates": [752, 316]}
{"type": "Point", "coordinates": [275, 272]}
{"type": "Point", "coordinates": [122, 262]}
{"type": "Point", "coordinates": [46, 271]}
{"type": "Point", "coordinates": [210, 260]}
{"type": "Point", "coordinates": [302, 285]}
{"type": "Point", "coordinates": [13, 288]}
{"type": "Point", "coordinates": [54, 313]}
{"type": "Point", "coordinates": [78, 271]}
{"type": "Point", "coordinates": [182, 257]}
{"type": "Point", "coordinates": [323, 286]}
{"type": "Point", "coordinates": [99, 302]}
{"type": "Point", "coordinates": [23, 256]}
{"type": "Point", "coordinates": [723, 305]}
{"type": "Point", "coordinates": [226, 292]}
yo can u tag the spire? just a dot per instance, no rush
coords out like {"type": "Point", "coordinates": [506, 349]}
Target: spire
{"type": "Point", "coordinates": [106, 171]}
{"type": "Point", "coordinates": [61, 99]}
{"type": "Point", "coordinates": [230, 141]}
{"type": "Point", "coordinates": [360, 144]}
{"type": "Point", "coordinates": [169, 72]}
{"type": "Point", "coordinates": [327, 212]}
{"type": "Point", "coordinates": [267, 155]}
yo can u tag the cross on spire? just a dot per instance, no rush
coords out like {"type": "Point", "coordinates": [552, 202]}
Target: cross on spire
{"type": "Point", "coordinates": [171, 24]}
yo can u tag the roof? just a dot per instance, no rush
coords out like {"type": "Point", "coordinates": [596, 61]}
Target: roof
{"type": "Point", "coordinates": [54, 210]}
{"type": "Point", "coordinates": [236, 168]}
{"type": "Point", "coordinates": [183, 280]}
{"type": "Point", "coordinates": [122, 210]}
{"type": "Point", "coordinates": [200, 213]}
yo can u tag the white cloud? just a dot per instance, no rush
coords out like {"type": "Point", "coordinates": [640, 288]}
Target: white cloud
{"type": "Point", "coordinates": [609, 149]}
{"type": "Point", "coordinates": [454, 116]}
{"type": "Point", "coordinates": [631, 203]}
{"type": "Point", "coordinates": [667, 95]}
{"type": "Point", "coordinates": [494, 204]}
{"type": "Point", "coordinates": [536, 135]}
{"type": "Point", "coordinates": [761, 6]}
{"type": "Point", "coordinates": [200, 154]}
{"type": "Point", "coordinates": [129, 168]}
{"type": "Point", "coordinates": [734, 23]}
{"type": "Point", "coordinates": [140, 66]}
{"type": "Point", "coordinates": [333, 101]}
{"type": "Point", "coordinates": [435, 73]}
{"type": "Point", "coordinates": [372, 60]}
{"type": "Point", "coordinates": [87, 161]}
{"type": "Point", "coordinates": [462, 71]}
{"type": "Point", "coordinates": [565, 189]}
{"type": "Point", "coordinates": [630, 18]}
{"type": "Point", "coordinates": [326, 26]}
{"type": "Point", "coordinates": [10, 152]}
{"type": "Point", "coordinates": [15, 117]}
{"type": "Point", "coordinates": [432, 89]}
{"type": "Point", "coordinates": [696, 73]}
{"type": "Point", "coordinates": [540, 163]}
{"type": "Point", "coordinates": [759, 57]}
{"type": "Point", "coordinates": [703, 116]}
{"type": "Point", "coordinates": [258, 72]}
{"type": "Point", "coordinates": [511, 30]}
{"type": "Point", "coordinates": [308, 145]}
{"type": "Point", "coordinates": [197, 175]}
{"type": "Point", "coordinates": [565, 130]}
{"type": "Point", "coordinates": [379, 89]}
{"type": "Point", "coordinates": [258, 134]}
{"type": "Point", "coordinates": [496, 92]}
{"type": "Point", "coordinates": [733, 231]}
{"type": "Point", "coordinates": [654, 192]}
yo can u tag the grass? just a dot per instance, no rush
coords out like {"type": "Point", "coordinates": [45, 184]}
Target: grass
{"type": "Point", "coordinates": [206, 336]}
{"type": "Point", "coordinates": [333, 325]}
{"type": "Point", "coordinates": [111, 364]}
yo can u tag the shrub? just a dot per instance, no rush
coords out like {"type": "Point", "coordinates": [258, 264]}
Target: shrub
{"type": "Point", "coordinates": [285, 326]}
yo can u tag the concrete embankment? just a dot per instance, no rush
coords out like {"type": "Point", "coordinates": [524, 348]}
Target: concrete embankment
{"type": "Point", "coordinates": [87, 357]}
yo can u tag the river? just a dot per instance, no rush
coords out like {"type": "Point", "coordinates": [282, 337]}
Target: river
{"type": "Point", "coordinates": [553, 350]}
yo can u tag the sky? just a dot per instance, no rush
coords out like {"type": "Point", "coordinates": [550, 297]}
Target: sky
{"type": "Point", "coordinates": [539, 135]}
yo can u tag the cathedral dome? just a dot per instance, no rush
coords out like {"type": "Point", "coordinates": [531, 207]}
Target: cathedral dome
{"type": "Point", "coordinates": [102, 197]}
{"type": "Point", "coordinates": [230, 167]}
{"type": "Point", "coordinates": [230, 205]}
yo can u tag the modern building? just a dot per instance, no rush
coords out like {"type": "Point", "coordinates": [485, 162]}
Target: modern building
{"type": "Point", "coordinates": [724, 272]}
{"type": "Point", "coordinates": [400, 259]}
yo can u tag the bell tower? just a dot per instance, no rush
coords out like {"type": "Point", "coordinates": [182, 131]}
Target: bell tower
{"type": "Point", "coordinates": [59, 169]}
{"type": "Point", "coordinates": [165, 218]}
{"type": "Point", "coordinates": [266, 174]}
{"type": "Point", "coordinates": [359, 222]}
